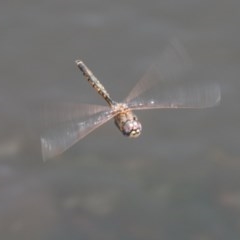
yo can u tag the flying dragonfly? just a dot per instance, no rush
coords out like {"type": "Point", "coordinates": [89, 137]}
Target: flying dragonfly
{"type": "Point", "coordinates": [161, 87]}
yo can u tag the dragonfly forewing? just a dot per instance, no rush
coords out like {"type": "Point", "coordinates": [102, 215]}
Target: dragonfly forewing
{"type": "Point", "coordinates": [188, 96]}
{"type": "Point", "coordinates": [169, 83]}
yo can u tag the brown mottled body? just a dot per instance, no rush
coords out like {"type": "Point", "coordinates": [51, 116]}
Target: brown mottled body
{"type": "Point", "coordinates": [94, 82]}
{"type": "Point", "coordinates": [125, 120]}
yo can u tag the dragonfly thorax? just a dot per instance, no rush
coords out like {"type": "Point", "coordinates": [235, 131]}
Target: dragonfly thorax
{"type": "Point", "coordinates": [128, 124]}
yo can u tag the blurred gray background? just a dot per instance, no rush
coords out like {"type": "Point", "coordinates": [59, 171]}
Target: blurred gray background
{"type": "Point", "coordinates": [179, 180]}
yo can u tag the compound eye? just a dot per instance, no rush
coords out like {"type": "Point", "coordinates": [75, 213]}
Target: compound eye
{"type": "Point", "coordinates": [132, 128]}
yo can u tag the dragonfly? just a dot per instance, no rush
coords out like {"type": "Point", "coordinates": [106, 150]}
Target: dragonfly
{"type": "Point", "coordinates": [162, 87]}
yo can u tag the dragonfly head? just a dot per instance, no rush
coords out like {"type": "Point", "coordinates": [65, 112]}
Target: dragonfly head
{"type": "Point", "coordinates": [132, 128]}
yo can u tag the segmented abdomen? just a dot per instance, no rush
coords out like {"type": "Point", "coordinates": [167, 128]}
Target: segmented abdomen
{"type": "Point", "coordinates": [94, 82]}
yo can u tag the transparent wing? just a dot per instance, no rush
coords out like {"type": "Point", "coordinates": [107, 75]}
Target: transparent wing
{"type": "Point", "coordinates": [170, 84]}
{"type": "Point", "coordinates": [58, 139]}
{"type": "Point", "coordinates": [189, 96]}
{"type": "Point", "coordinates": [173, 62]}
{"type": "Point", "coordinates": [54, 113]}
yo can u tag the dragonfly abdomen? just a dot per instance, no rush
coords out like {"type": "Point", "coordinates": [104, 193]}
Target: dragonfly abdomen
{"type": "Point", "coordinates": [95, 83]}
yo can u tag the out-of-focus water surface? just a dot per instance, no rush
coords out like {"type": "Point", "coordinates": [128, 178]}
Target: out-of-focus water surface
{"type": "Point", "coordinates": [179, 180]}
